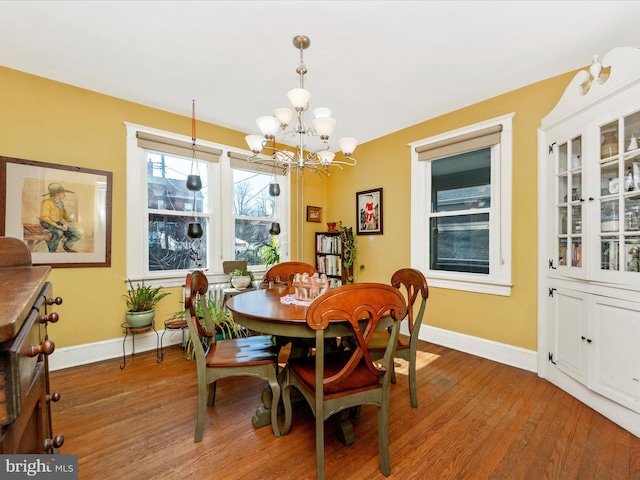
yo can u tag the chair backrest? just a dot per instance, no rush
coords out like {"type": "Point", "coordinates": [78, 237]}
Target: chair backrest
{"type": "Point", "coordinates": [284, 273]}
{"type": "Point", "coordinates": [362, 306]}
{"type": "Point", "coordinates": [231, 265]}
{"type": "Point", "coordinates": [414, 283]}
{"type": "Point", "coordinates": [195, 291]}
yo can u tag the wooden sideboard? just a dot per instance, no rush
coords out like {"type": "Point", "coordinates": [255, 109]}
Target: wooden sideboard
{"type": "Point", "coordinates": [25, 301]}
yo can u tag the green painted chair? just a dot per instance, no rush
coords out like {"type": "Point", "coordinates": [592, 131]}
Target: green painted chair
{"type": "Point", "coordinates": [254, 356]}
{"type": "Point", "coordinates": [333, 381]}
{"type": "Point", "coordinates": [414, 284]}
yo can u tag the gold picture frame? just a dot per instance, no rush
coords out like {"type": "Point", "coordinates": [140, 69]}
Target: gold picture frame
{"type": "Point", "coordinates": [314, 214]}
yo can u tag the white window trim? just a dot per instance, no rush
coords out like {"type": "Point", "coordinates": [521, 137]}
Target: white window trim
{"type": "Point", "coordinates": [222, 220]}
{"type": "Point", "coordinates": [498, 281]}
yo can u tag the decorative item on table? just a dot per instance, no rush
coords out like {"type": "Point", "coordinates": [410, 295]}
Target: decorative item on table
{"type": "Point", "coordinates": [309, 287]}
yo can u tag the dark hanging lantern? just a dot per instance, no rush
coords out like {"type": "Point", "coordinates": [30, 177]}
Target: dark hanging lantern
{"type": "Point", "coordinates": [194, 230]}
{"type": "Point", "coordinates": [275, 229]}
{"type": "Point", "coordinates": [194, 183]}
{"type": "Point", "coordinates": [274, 189]}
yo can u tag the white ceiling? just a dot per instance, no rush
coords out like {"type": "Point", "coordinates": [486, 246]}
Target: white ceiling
{"type": "Point", "coordinates": [379, 65]}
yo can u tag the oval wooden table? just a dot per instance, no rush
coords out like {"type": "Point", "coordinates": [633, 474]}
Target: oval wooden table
{"type": "Point", "coordinates": [262, 311]}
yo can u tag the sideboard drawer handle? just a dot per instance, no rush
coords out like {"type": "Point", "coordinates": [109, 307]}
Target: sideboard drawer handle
{"type": "Point", "coordinates": [47, 347]}
{"type": "Point", "coordinates": [53, 317]}
{"type": "Point", "coordinates": [55, 442]}
{"type": "Point", "coordinates": [54, 397]}
{"type": "Point", "coordinates": [57, 301]}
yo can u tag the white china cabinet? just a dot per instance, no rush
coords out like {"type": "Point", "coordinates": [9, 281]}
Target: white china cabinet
{"type": "Point", "coordinates": [589, 239]}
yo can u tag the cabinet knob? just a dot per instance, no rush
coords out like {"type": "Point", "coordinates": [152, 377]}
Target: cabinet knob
{"type": "Point", "coordinates": [54, 397]}
{"type": "Point", "coordinates": [47, 347]}
{"type": "Point", "coordinates": [55, 442]}
{"type": "Point", "coordinates": [57, 301]}
{"type": "Point", "coordinates": [53, 317]}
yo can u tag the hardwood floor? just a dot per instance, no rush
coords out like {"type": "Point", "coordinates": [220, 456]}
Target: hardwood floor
{"type": "Point", "coordinates": [476, 419]}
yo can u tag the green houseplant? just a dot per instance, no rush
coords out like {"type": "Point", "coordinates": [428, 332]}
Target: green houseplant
{"type": "Point", "coordinates": [269, 253]}
{"type": "Point", "coordinates": [349, 251]}
{"type": "Point", "coordinates": [225, 326]}
{"type": "Point", "coordinates": [141, 302]}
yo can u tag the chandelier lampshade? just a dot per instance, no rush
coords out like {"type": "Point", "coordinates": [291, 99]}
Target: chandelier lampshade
{"type": "Point", "coordinates": [287, 124]}
{"type": "Point", "coordinates": [268, 125]}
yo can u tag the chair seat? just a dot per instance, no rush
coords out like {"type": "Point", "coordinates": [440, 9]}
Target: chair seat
{"type": "Point", "coordinates": [258, 350]}
{"type": "Point", "coordinates": [381, 338]}
{"type": "Point", "coordinates": [360, 380]}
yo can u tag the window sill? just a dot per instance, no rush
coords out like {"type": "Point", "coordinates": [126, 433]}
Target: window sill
{"type": "Point", "coordinates": [487, 287]}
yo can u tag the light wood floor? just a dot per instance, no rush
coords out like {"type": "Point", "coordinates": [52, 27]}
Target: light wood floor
{"type": "Point", "coordinates": [477, 419]}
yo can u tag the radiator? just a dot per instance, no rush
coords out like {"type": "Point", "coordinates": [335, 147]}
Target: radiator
{"type": "Point", "coordinates": [216, 291]}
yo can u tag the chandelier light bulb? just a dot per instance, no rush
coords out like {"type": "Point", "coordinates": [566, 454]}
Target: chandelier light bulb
{"type": "Point", "coordinates": [326, 157]}
{"type": "Point", "coordinates": [285, 115]}
{"type": "Point", "coordinates": [268, 125]}
{"type": "Point", "coordinates": [255, 143]}
{"type": "Point", "coordinates": [299, 98]}
{"type": "Point", "coordinates": [348, 145]}
{"type": "Point", "coordinates": [324, 126]}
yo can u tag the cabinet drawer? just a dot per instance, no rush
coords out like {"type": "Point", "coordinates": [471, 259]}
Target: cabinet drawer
{"type": "Point", "coordinates": [18, 360]}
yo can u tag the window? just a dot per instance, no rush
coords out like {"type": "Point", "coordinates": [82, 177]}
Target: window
{"type": "Point", "coordinates": [233, 207]}
{"type": "Point", "coordinates": [461, 208]}
{"type": "Point", "coordinates": [254, 210]}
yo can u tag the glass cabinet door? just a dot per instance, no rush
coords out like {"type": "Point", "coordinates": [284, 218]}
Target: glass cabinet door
{"type": "Point", "coordinates": [569, 203]}
{"type": "Point", "coordinates": [619, 226]}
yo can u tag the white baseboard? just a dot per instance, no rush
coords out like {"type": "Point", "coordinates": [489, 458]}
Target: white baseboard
{"type": "Point", "coordinates": [498, 352]}
{"type": "Point", "coordinates": [67, 357]}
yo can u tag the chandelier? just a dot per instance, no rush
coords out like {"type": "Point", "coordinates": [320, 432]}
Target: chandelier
{"type": "Point", "coordinates": [280, 127]}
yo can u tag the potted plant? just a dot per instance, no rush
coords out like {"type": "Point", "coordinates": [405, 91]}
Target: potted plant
{"type": "Point", "coordinates": [241, 278]}
{"type": "Point", "coordinates": [141, 302]}
{"type": "Point", "coordinates": [349, 251]}
{"type": "Point", "coordinates": [223, 323]}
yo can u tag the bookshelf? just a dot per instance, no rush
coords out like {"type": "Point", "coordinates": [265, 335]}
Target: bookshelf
{"type": "Point", "coordinates": [329, 258]}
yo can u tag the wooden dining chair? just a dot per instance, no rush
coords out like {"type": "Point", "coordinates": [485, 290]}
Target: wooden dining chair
{"type": "Point", "coordinates": [414, 283]}
{"type": "Point", "coordinates": [254, 356]}
{"type": "Point", "coordinates": [337, 380]}
{"type": "Point", "coordinates": [283, 273]}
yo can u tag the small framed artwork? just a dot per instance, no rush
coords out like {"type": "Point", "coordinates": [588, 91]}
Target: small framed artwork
{"type": "Point", "coordinates": [369, 212]}
{"type": "Point", "coordinates": [62, 213]}
{"type": "Point", "coordinates": [314, 214]}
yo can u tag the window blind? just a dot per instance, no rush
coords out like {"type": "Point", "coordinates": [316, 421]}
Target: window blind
{"type": "Point", "coordinates": [177, 147]}
{"type": "Point", "coordinates": [486, 137]}
{"type": "Point", "coordinates": [239, 160]}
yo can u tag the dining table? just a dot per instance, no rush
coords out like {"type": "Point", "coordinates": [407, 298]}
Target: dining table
{"type": "Point", "coordinates": [274, 311]}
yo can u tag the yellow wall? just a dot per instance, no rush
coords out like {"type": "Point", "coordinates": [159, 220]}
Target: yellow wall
{"type": "Point", "coordinates": [386, 163]}
{"type": "Point", "coordinates": [52, 122]}
{"type": "Point", "coordinates": [57, 123]}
